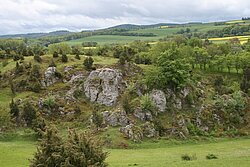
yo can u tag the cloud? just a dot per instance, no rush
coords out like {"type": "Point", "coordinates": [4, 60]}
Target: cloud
{"type": "Point", "coordinates": [22, 16]}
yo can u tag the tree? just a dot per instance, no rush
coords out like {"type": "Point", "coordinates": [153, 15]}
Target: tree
{"type": "Point", "coordinates": [64, 58]}
{"type": "Point", "coordinates": [88, 63]}
{"type": "Point", "coordinates": [29, 113]}
{"type": "Point", "coordinates": [174, 71]}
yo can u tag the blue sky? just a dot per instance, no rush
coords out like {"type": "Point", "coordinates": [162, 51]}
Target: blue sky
{"type": "Point", "coordinates": [23, 16]}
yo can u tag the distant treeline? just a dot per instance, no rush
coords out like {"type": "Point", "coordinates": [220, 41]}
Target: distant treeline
{"type": "Point", "coordinates": [229, 31]}
{"type": "Point", "coordinates": [245, 18]}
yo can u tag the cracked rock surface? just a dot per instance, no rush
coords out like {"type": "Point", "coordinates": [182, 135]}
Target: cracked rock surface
{"type": "Point", "coordinates": [104, 86]}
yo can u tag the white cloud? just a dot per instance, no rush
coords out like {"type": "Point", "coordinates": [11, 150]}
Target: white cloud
{"type": "Point", "coordinates": [21, 16]}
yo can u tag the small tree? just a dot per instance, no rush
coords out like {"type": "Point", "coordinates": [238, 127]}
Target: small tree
{"type": "Point", "coordinates": [88, 63]}
{"type": "Point", "coordinates": [55, 54]}
{"type": "Point", "coordinates": [14, 111]}
{"type": "Point", "coordinates": [29, 113]}
{"type": "Point", "coordinates": [97, 119]}
{"type": "Point", "coordinates": [64, 58]}
{"type": "Point", "coordinates": [83, 150]}
{"type": "Point", "coordinates": [49, 150]}
{"type": "Point", "coordinates": [38, 58]}
{"type": "Point", "coordinates": [52, 63]}
{"type": "Point", "coordinates": [77, 56]}
{"type": "Point", "coordinates": [80, 150]}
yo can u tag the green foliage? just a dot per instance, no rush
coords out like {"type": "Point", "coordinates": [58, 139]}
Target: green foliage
{"type": "Point", "coordinates": [147, 104]}
{"type": "Point", "coordinates": [49, 150]}
{"type": "Point", "coordinates": [97, 119]}
{"type": "Point", "coordinates": [173, 71]}
{"type": "Point", "coordinates": [55, 54]}
{"type": "Point", "coordinates": [35, 72]}
{"type": "Point", "coordinates": [211, 156]}
{"type": "Point", "coordinates": [64, 58]}
{"type": "Point", "coordinates": [61, 48]}
{"type": "Point", "coordinates": [187, 157]}
{"type": "Point", "coordinates": [29, 113]}
{"type": "Point", "coordinates": [38, 58]}
{"type": "Point", "coordinates": [79, 150]}
{"type": "Point", "coordinates": [39, 126]}
{"type": "Point", "coordinates": [14, 111]}
{"type": "Point", "coordinates": [88, 63]}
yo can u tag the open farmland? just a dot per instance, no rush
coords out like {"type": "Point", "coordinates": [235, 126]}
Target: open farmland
{"type": "Point", "coordinates": [243, 39]}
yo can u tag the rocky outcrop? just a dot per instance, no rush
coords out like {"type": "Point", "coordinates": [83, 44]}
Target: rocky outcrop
{"type": "Point", "coordinates": [116, 118]}
{"type": "Point", "coordinates": [104, 86]}
{"type": "Point", "coordinates": [143, 116]}
{"type": "Point", "coordinates": [149, 130]}
{"type": "Point", "coordinates": [159, 99]}
{"type": "Point", "coordinates": [75, 79]}
{"type": "Point", "coordinates": [132, 132]}
{"type": "Point", "coordinates": [49, 77]}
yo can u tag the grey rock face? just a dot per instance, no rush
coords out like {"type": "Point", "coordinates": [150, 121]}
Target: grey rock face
{"type": "Point", "coordinates": [138, 113]}
{"type": "Point", "coordinates": [116, 118]}
{"type": "Point", "coordinates": [104, 86]}
{"type": "Point", "coordinates": [49, 77]}
{"type": "Point", "coordinates": [159, 99]}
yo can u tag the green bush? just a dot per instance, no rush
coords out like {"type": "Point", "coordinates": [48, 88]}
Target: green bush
{"type": "Point", "coordinates": [187, 157]}
{"type": "Point", "coordinates": [79, 150]}
{"type": "Point", "coordinates": [147, 104]}
{"type": "Point", "coordinates": [211, 156]}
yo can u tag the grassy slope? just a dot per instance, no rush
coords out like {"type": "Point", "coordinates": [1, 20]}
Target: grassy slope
{"type": "Point", "coordinates": [231, 153]}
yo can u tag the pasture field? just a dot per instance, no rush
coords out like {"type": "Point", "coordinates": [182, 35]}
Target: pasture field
{"type": "Point", "coordinates": [230, 153]}
{"type": "Point", "coordinates": [110, 39]}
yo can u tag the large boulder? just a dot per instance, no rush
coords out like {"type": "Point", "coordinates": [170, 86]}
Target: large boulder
{"type": "Point", "coordinates": [49, 77]}
{"type": "Point", "coordinates": [159, 99]}
{"type": "Point", "coordinates": [116, 118]}
{"type": "Point", "coordinates": [104, 86]}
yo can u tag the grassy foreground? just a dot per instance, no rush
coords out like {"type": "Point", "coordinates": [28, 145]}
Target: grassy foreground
{"type": "Point", "coordinates": [231, 153]}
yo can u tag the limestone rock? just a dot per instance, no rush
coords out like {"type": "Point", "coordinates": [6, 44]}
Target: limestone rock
{"type": "Point", "coordinates": [116, 118]}
{"type": "Point", "coordinates": [149, 130]}
{"type": "Point", "coordinates": [76, 79]}
{"type": "Point", "coordinates": [159, 99]}
{"type": "Point", "coordinates": [49, 77]}
{"type": "Point", "coordinates": [138, 113]}
{"type": "Point", "coordinates": [104, 86]}
{"type": "Point", "coordinates": [132, 132]}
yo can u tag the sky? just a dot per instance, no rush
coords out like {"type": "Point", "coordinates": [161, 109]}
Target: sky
{"type": "Point", "coordinates": [27, 16]}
